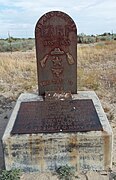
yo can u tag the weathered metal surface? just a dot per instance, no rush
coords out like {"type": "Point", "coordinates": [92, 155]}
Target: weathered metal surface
{"type": "Point", "coordinates": [56, 51]}
{"type": "Point", "coordinates": [56, 116]}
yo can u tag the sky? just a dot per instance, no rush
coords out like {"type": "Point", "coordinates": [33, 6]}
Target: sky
{"type": "Point", "coordinates": [19, 17]}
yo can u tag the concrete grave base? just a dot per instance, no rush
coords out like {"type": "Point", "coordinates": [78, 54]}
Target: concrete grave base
{"type": "Point", "coordinates": [45, 152]}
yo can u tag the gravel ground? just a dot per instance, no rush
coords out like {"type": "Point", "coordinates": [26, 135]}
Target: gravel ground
{"type": "Point", "coordinates": [88, 176]}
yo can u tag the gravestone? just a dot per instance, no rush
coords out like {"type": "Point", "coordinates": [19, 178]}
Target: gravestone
{"type": "Point", "coordinates": [56, 51]}
{"type": "Point", "coordinates": [60, 125]}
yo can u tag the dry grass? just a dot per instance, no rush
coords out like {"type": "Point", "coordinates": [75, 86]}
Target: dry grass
{"type": "Point", "coordinates": [96, 66]}
{"type": "Point", "coordinates": [17, 72]}
{"type": "Point", "coordinates": [96, 71]}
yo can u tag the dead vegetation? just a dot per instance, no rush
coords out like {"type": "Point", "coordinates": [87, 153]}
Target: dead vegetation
{"type": "Point", "coordinates": [96, 71]}
{"type": "Point", "coordinates": [17, 72]}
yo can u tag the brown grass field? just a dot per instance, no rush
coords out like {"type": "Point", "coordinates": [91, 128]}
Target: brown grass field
{"type": "Point", "coordinates": [96, 71]}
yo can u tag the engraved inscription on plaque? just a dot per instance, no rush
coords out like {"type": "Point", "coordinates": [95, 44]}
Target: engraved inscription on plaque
{"type": "Point", "coordinates": [56, 116]}
{"type": "Point", "coordinates": [56, 51]}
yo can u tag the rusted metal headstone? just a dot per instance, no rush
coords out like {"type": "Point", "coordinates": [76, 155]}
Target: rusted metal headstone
{"type": "Point", "coordinates": [56, 51]}
{"type": "Point", "coordinates": [56, 42]}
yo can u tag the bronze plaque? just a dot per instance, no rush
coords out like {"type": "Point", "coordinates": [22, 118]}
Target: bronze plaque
{"type": "Point", "coordinates": [56, 116]}
{"type": "Point", "coordinates": [56, 51]}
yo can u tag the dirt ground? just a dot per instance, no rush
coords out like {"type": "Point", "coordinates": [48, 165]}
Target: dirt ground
{"type": "Point", "coordinates": [88, 176]}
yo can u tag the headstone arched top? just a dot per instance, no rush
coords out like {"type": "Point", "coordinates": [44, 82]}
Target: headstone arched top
{"type": "Point", "coordinates": [56, 52]}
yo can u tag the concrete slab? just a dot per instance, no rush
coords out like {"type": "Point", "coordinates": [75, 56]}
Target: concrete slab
{"type": "Point", "coordinates": [45, 152]}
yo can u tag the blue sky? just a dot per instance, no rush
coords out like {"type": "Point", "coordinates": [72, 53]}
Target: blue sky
{"type": "Point", "coordinates": [18, 17]}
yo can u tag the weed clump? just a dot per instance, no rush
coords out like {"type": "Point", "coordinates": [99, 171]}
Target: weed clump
{"type": "Point", "coordinates": [66, 172]}
{"type": "Point", "coordinates": [10, 175]}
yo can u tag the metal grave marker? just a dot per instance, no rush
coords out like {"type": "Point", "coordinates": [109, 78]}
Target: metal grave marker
{"type": "Point", "coordinates": [56, 42]}
{"type": "Point", "coordinates": [56, 51]}
{"type": "Point", "coordinates": [56, 116]}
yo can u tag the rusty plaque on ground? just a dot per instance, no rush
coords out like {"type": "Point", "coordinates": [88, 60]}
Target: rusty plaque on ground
{"type": "Point", "coordinates": [56, 116]}
{"type": "Point", "coordinates": [56, 52]}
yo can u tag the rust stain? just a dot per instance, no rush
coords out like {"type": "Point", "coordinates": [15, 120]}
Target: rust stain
{"type": "Point", "coordinates": [39, 148]}
{"type": "Point", "coordinates": [9, 146]}
{"type": "Point", "coordinates": [73, 152]}
{"type": "Point", "coordinates": [30, 146]}
{"type": "Point", "coordinates": [37, 142]}
{"type": "Point", "coordinates": [42, 162]}
{"type": "Point", "coordinates": [107, 152]}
